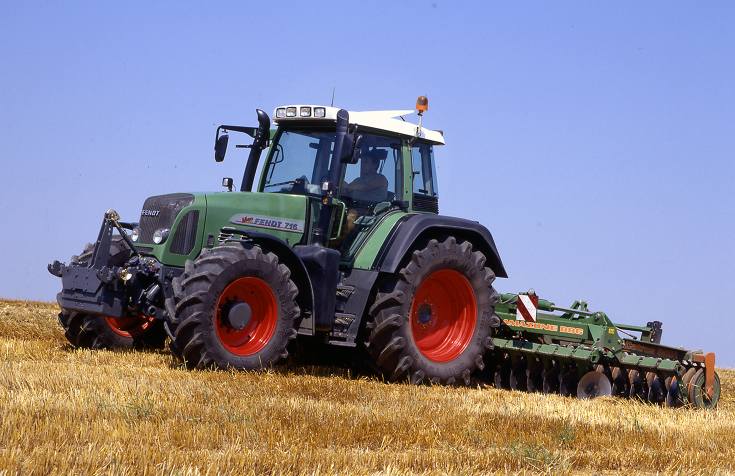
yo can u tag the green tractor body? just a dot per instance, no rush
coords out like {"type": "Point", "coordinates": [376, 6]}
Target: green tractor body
{"type": "Point", "coordinates": [341, 238]}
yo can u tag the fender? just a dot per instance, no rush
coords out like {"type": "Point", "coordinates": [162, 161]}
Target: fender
{"type": "Point", "coordinates": [413, 227]}
{"type": "Point", "coordinates": [299, 276]}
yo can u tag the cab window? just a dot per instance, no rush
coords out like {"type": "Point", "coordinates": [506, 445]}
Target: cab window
{"type": "Point", "coordinates": [424, 180]}
{"type": "Point", "coordinates": [378, 156]}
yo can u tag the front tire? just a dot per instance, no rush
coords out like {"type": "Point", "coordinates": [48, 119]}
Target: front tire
{"type": "Point", "coordinates": [433, 320]}
{"type": "Point", "coordinates": [234, 307]}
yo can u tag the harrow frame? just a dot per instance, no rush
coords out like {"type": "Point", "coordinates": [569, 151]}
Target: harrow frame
{"type": "Point", "coordinates": [579, 339]}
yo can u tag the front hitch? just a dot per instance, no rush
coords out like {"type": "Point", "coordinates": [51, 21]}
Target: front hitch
{"type": "Point", "coordinates": [95, 288]}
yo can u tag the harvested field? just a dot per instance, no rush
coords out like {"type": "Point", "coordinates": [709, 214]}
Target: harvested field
{"type": "Point", "coordinates": [68, 411]}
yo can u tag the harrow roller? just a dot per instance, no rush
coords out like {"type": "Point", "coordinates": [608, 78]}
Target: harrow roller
{"type": "Point", "coordinates": [582, 353]}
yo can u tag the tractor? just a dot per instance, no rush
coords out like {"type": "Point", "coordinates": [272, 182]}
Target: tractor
{"type": "Point", "coordinates": [341, 240]}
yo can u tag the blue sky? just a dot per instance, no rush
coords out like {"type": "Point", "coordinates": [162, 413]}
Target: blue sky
{"type": "Point", "coordinates": [593, 139]}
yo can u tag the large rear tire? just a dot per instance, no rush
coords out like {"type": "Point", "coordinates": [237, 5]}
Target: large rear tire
{"type": "Point", "coordinates": [100, 332]}
{"type": "Point", "coordinates": [234, 307]}
{"type": "Point", "coordinates": [432, 321]}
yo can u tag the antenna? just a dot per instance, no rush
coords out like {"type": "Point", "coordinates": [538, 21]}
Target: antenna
{"type": "Point", "coordinates": [333, 89]}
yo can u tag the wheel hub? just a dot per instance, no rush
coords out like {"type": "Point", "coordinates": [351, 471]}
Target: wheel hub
{"type": "Point", "coordinates": [237, 315]}
{"type": "Point", "coordinates": [423, 314]}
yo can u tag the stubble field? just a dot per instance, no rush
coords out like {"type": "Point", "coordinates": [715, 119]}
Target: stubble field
{"type": "Point", "coordinates": [81, 412]}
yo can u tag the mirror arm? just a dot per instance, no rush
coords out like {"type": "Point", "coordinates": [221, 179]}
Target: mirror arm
{"type": "Point", "coordinates": [220, 141]}
{"type": "Point", "coordinates": [260, 141]}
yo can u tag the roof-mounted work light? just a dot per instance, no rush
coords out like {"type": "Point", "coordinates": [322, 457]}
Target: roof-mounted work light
{"type": "Point", "coordinates": [422, 104]}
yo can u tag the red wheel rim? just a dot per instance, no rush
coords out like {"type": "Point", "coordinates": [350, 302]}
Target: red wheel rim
{"type": "Point", "coordinates": [264, 316]}
{"type": "Point", "coordinates": [130, 326]}
{"type": "Point", "coordinates": [443, 316]}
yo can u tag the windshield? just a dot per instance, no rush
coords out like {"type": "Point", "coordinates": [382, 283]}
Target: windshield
{"type": "Point", "coordinates": [299, 161]}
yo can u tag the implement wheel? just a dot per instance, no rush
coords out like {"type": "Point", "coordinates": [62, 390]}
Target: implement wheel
{"type": "Point", "coordinates": [697, 394]}
{"type": "Point", "coordinates": [432, 321]}
{"type": "Point", "coordinates": [99, 332]}
{"type": "Point", "coordinates": [234, 308]}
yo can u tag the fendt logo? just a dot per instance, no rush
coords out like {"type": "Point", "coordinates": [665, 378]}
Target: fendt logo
{"type": "Point", "coordinates": [265, 222]}
{"type": "Point", "coordinates": [150, 213]}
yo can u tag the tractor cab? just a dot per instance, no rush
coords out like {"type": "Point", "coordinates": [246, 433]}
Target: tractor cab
{"type": "Point", "coordinates": [384, 165]}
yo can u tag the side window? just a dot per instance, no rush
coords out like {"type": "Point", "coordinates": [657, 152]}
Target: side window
{"type": "Point", "coordinates": [424, 180]}
{"type": "Point", "coordinates": [381, 156]}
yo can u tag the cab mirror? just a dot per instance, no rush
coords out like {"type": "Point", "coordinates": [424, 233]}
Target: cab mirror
{"type": "Point", "coordinates": [351, 149]}
{"type": "Point", "coordinates": [220, 147]}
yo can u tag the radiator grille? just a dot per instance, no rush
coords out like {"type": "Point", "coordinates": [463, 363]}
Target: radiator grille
{"type": "Point", "coordinates": [160, 212]}
{"type": "Point", "coordinates": [185, 236]}
{"type": "Point", "coordinates": [422, 203]}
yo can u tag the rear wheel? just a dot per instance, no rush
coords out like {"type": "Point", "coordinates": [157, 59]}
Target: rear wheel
{"type": "Point", "coordinates": [432, 321]}
{"type": "Point", "coordinates": [234, 307]}
{"type": "Point", "coordinates": [97, 332]}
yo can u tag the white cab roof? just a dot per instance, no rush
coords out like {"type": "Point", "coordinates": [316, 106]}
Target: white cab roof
{"type": "Point", "coordinates": [391, 121]}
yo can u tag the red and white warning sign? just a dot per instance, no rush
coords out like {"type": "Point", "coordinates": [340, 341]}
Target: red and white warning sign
{"type": "Point", "coordinates": [527, 307]}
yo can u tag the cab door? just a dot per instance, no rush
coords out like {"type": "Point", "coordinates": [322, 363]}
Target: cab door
{"type": "Point", "coordinates": [364, 211]}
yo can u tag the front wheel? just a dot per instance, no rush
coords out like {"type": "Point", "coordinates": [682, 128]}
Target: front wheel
{"type": "Point", "coordinates": [234, 307]}
{"type": "Point", "coordinates": [432, 321]}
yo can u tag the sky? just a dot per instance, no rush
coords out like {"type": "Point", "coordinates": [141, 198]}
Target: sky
{"type": "Point", "coordinates": [593, 139]}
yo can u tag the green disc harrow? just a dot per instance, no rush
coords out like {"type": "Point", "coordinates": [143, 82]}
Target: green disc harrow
{"type": "Point", "coordinates": [540, 347]}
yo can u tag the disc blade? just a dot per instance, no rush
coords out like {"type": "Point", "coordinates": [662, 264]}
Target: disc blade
{"type": "Point", "coordinates": [673, 395]}
{"type": "Point", "coordinates": [593, 385]}
{"type": "Point", "coordinates": [638, 386]}
{"type": "Point", "coordinates": [502, 373]}
{"type": "Point", "coordinates": [551, 380]}
{"type": "Point", "coordinates": [535, 380]}
{"type": "Point", "coordinates": [620, 382]}
{"type": "Point", "coordinates": [655, 389]}
{"type": "Point", "coordinates": [569, 382]}
{"type": "Point", "coordinates": [518, 378]}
